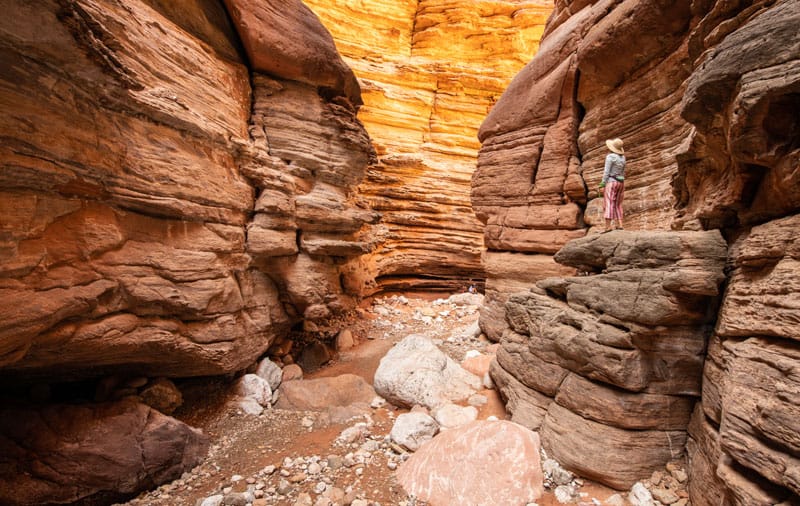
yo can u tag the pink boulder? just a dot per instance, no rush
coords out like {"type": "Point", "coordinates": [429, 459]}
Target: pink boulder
{"type": "Point", "coordinates": [483, 463]}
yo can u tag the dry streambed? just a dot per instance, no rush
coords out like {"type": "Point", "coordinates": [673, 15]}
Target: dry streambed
{"type": "Point", "coordinates": [329, 440]}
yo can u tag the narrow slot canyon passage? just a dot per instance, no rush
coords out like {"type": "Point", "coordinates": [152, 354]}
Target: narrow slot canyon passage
{"type": "Point", "coordinates": [357, 253]}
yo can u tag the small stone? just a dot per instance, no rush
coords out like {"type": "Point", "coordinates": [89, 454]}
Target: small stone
{"type": "Point", "coordinates": [391, 465]}
{"type": "Point", "coordinates": [297, 478]}
{"type": "Point", "coordinates": [344, 340]}
{"type": "Point", "coordinates": [656, 478]}
{"type": "Point", "coordinates": [558, 474]}
{"type": "Point", "coordinates": [214, 500]}
{"type": "Point", "coordinates": [235, 499]}
{"type": "Point", "coordinates": [307, 422]}
{"type": "Point", "coordinates": [268, 470]}
{"type": "Point", "coordinates": [161, 394]}
{"type": "Point", "coordinates": [303, 499]}
{"type": "Point", "coordinates": [270, 371]}
{"type": "Point", "coordinates": [680, 475]}
{"type": "Point", "coordinates": [314, 468]}
{"type": "Point", "coordinates": [640, 496]}
{"type": "Point", "coordinates": [335, 494]}
{"type": "Point", "coordinates": [247, 405]}
{"type": "Point", "coordinates": [255, 387]}
{"type": "Point", "coordinates": [292, 372]}
{"type": "Point", "coordinates": [370, 446]}
{"type": "Point", "coordinates": [564, 494]}
{"type": "Point", "coordinates": [451, 416]}
{"type": "Point", "coordinates": [359, 471]}
{"type": "Point", "coordinates": [377, 402]}
{"type": "Point", "coordinates": [334, 462]}
{"type": "Point", "coordinates": [284, 487]}
{"type": "Point", "coordinates": [320, 487]}
{"type": "Point", "coordinates": [353, 434]}
{"type": "Point", "coordinates": [477, 400]}
{"type": "Point", "coordinates": [359, 502]}
{"type": "Point", "coordinates": [236, 477]}
{"type": "Point", "coordinates": [663, 495]}
{"type": "Point", "coordinates": [615, 500]}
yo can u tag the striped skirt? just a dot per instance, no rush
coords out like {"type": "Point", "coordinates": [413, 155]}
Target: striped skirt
{"type": "Point", "coordinates": [612, 199]}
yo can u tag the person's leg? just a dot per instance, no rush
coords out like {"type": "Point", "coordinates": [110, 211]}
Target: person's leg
{"type": "Point", "coordinates": [608, 205]}
{"type": "Point", "coordinates": [620, 195]}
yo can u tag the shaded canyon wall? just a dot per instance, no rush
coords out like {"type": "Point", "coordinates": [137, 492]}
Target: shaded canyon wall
{"type": "Point", "coordinates": [698, 301]}
{"type": "Point", "coordinates": [430, 70]}
{"type": "Point", "coordinates": [174, 197]}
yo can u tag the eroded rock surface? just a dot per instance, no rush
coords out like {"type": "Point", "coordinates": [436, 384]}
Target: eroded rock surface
{"type": "Point", "coordinates": [168, 210]}
{"type": "Point", "coordinates": [607, 366]}
{"type": "Point", "coordinates": [63, 453]}
{"type": "Point", "coordinates": [746, 428]}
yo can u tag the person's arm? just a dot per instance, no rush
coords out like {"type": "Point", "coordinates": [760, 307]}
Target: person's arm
{"type": "Point", "coordinates": [606, 170]}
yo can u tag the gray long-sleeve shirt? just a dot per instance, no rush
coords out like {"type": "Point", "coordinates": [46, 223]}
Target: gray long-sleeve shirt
{"type": "Point", "coordinates": [615, 167]}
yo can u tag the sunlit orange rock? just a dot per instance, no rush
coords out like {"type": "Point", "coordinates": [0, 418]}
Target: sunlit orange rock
{"type": "Point", "coordinates": [429, 71]}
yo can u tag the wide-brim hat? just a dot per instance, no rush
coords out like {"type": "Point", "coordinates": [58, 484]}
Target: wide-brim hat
{"type": "Point", "coordinates": [615, 145]}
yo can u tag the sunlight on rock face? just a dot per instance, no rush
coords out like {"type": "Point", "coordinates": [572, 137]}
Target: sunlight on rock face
{"type": "Point", "coordinates": [430, 71]}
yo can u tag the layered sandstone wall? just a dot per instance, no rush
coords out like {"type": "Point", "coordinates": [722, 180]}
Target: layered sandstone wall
{"type": "Point", "coordinates": [606, 366]}
{"type": "Point", "coordinates": [430, 71]}
{"type": "Point", "coordinates": [174, 197]}
{"type": "Point", "coordinates": [706, 98]}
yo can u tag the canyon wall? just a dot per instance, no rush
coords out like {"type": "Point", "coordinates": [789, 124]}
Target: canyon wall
{"type": "Point", "coordinates": [177, 190]}
{"type": "Point", "coordinates": [178, 185]}
{"type": "Point", "coordinates": [706, 97]}
{"type": "Point", "coordinates": [430, 70]}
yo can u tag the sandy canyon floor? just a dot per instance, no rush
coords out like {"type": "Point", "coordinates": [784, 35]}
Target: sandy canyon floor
{"type": "Point", "coordinates": [297, 457]}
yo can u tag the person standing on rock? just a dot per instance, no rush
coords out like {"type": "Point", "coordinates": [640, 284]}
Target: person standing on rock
{"type": "Point", "coordinates": [613, 183]}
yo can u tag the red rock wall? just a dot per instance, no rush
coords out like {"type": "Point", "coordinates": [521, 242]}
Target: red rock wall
{"type": "Point", "coordinates": [705, 96]}
{"type": "Point", "coordinates": [168, 208]}
{"type": "Point", "coordinates": [740, 172]}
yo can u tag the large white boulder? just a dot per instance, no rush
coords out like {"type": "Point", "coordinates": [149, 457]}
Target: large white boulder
{"type": "Point", "coordinates": [415, 371]}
